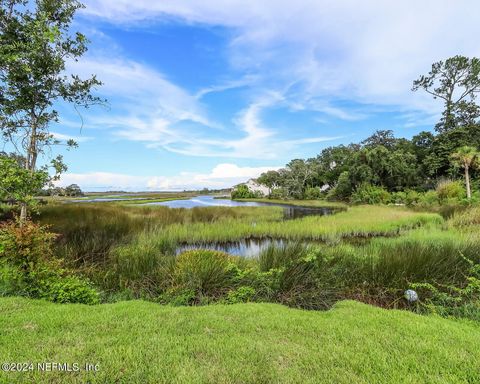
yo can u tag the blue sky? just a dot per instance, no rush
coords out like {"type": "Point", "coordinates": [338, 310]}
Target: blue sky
{"type": "Point", "coordinates": [210, 93]}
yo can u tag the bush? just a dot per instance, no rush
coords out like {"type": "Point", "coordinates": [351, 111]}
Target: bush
{"type": "Point", "coordinates": [278, 256]}
{"type": "Point", "coordinates": [398, 198]}
{"type": "Point", "coordinates": [206, 272]}
{"type": "Point", "coordinates": [412, 197]}
{"type": "Point", "coordinates": [243, 192]}
{"type": "Point", "coordinates": [343, 188]}
{"type": "Point", "coordinates": [313, 193]}
{"type": "Point", "coordinates": [30, 269]}
{"type": "Point", "coordinates": [428, 199]}
{"type": "Point", "coordinates": [242, 294]}
{"type": "Point", "coordinates": [453, 300]}
{"type": "Point", "coordinates": [370, 194]}
{"type": "Point", "coordinates": [450, 190]}
{"type": "Point", "coordinates": [278, 193]}
{"type": "Point", "coordinates": [26, 246]}
{"type": "Point", "coordinates": [69, 289]}
{"type": "Point", "coordinates": [145, 265]}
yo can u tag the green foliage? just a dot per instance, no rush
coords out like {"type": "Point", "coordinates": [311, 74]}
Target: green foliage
{"type": "Point", "coordinates": [370, 194]}
{"type": "Point", "coordinates": [243, 192]}
{"type": "Point", "coordinates": [18, 184]}
{"type": "Point", "coordinates": [37, 42]}
{"type": "Point", "coordinates": [453, 300]}
{"type": "Point", "coordinates": [450, 190]}
{"type": "Point", "coordinates": [207, 273]}
{"type": "Point", "coordinates": [279, 256]}
{"type": "Point", "coordinates": [26, 246]}
{"type": "Point", "coordinates": [178, 296]}
{"type": "Point", "coordinates": [343, 188]}
{"type": "Point", "coordinates": [313, 193]}
{"type": "Point", "coordinates": [243, 294]}
{"type": "Point", "coordinates": [29, 267]}
{"type": "Point", "coordinates": [456, 82]}
{"type": "Point", "coordinates": [67, 289]}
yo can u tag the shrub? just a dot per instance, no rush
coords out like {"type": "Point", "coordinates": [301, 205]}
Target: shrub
{"type": "Point", "coordinates": [242, 294]}
{"type": "Point", "coordinates": [343, 188]}
{"type": "Point", "coordinates": [412, 197]}
{"type": "Point", "coordinates": [399, 198]}
{"type": "Point", "coordinates": [145, 265]}
{"type": "Point", "coordinates": [278, 193]}
{"type": "Point", "coordinates": [313, 193]}
{"type": "Point", "coordinates": [206, 272]}
{"type": "Point", "coordinates": [243, 192]}
{"type": "Point", "coordinates": [450, 190]}
{"type": "Point", "coordinates": [278, 256]}
{"type": "Point", "coordinates": [370, 194]}
{"type": "Point", "coordinates": [26, 246]}
{"type": "Point", "coordinates": [428, 199]}
{"type": "Point", "coordinates": [178, 296]}
{"type": "Point", "coordinates": [69, 289]}
{"type": "Point", "coordinates": [30, 269]}
{"type": "Point", "coordinates": [453, 300]}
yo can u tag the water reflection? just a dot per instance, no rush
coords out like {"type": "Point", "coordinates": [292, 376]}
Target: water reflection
{"type": "Point", "coordinates": [245, 248]}
{"type": "Point", "coordinates": [289, 211]}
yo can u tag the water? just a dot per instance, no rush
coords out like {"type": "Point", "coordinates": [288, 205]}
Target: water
{"type": "Point", "coordinates": [107, 199]}
{"type": "Point", "coordinates": [289, 211]}
{"type": "Point", "coordinates": [245, 248]}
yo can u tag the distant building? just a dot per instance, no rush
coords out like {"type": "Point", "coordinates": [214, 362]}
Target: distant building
{"type": "Point", "coordinates": [256, 187]}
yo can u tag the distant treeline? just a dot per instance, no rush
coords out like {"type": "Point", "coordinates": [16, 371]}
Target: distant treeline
{"type": "Point", "coordinates": [396, 164]}
{"type": "Point", "coordinates": [393, 164]}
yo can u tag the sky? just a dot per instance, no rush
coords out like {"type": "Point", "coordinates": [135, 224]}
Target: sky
{"type": "Point", "coordinates": [211, 93]}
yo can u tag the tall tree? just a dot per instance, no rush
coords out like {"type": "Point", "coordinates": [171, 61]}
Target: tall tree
{"type": "Point", "coordinates": [466, 157]}
{"type": "Point", "coordinates": [456, 81]}
{"type": "Point", "coordinates": [35, 44]}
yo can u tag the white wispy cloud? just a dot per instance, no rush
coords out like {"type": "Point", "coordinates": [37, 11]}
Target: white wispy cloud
{"type": "Point", "coordinates": [146, 107]}
{"type": "Point", "coordinates": [368, 51]}
{"type": "Point", "coordinates": [223, 175]}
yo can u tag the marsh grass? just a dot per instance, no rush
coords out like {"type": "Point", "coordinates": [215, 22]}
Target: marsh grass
{"type": "Point", "coordinates": [132, 248]}
{"type": "Point", "coordinates": [279, 256]}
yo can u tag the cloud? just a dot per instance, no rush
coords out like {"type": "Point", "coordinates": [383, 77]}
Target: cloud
{"type": "Point", "coordinates": [368, 51]}
{"type": "Point", "coordinates": [224, 175]}
{"type": "Point", "coordinates": [258, 141]}
{"type": "Point", "coordinates": [146, 107]}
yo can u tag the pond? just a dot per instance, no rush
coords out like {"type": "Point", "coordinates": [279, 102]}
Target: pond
{"type": "Point", "coordinates": [289, 211]}
{"type": "Point", "coordinates": [246, 247]}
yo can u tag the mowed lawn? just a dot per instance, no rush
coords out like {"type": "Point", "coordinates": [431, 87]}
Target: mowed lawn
{"type": "Point", "coordinates": [142, 342]}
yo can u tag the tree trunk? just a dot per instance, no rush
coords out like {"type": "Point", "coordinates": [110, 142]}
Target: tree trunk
{"type": "Point", "coordinates": [30, 164]}
{"type": "Point", "coordinates": [467, 182]}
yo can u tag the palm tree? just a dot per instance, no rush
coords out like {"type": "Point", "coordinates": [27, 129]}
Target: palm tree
{"type": "Point", "coordinates": [466, 157]}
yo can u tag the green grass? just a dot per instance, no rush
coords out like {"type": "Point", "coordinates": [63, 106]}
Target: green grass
{"type": "Point", "coordinates": [361, 221]}
{"type": "Point", "coordinates": [301, 203]}
{"type": "Point", "coordinates": [141, 342]}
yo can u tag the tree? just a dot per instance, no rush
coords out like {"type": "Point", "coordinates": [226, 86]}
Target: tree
{"type": "Point", "coordinates": [270, 179]}
{"type": "Point", "coordinates": [35, 45]}
{"type": "Point", "coordinates": [17, 184]}
{"type": "Point", "coordinates": [73, 190]}
{"type": "Point", "coordinates": [456, 81]}
{"type": "Point", "coordinates": [466, 157]}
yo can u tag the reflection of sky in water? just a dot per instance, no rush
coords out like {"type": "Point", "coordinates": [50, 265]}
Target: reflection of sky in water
{"type": "Point", "coordinates": [206, 201]}
{"type": "Point", "coordinates": [245, 248]}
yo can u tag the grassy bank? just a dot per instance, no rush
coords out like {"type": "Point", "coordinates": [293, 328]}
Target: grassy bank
{"type": "Point", "coordinates": [361, 221]}
{"type": "Point", "coordinates": [140, 342]}
{"type": "Point", "coordinates": [302, 203]}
